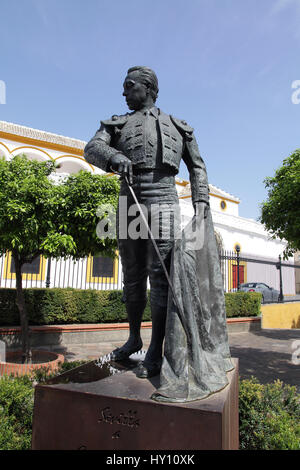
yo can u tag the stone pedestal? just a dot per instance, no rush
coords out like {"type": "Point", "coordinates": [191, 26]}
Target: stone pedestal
{"type": "Point", "coordinates": [79, 410]}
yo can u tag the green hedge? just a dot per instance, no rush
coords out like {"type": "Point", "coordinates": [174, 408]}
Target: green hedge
{"type": "Point", "coordinates": [16, 409]}
{"type": "Point", "coordinates": [243, 304]}
{"type": "Point", "coordinates": [63, 306]}
{"type": "Point", "coordinates": [269, 416]}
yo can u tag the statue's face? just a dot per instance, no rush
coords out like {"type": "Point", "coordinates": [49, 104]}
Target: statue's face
{"type": "Point", "coordinates": [135, 92]}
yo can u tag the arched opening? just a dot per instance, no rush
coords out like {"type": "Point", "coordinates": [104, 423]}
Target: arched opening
{"type": "Point", "coordinates": [32, 154]}
{"type": "Point", "coordinates": [4, 151]}
{"type": "Point", "coordinates": [71, 165]}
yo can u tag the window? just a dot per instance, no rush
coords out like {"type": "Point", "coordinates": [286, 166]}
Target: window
{"type": "Point", "coordinates": [27, 268]}
{"type": "Point", "coordinates": [102, 269]}
{"type": "Point", "coordinates": [103, 266]}
{"type": "Point", "coordinates": [34, 271]}
{"type": "Point", "coordinates": [262, 285]}
{"type": "Point", "coordinates": [223, 205]}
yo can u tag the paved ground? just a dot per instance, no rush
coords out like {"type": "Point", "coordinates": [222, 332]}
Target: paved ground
{"type": "Point", "coordinates": [266, 354]}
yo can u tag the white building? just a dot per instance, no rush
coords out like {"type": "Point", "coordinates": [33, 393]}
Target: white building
{"type": "Point", "coordinates": [230, 228]}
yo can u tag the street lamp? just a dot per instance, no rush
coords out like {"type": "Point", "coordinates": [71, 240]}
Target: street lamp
{"type": "Point", "coordinates": [238, 249]}
{"type": "Point", "coordinates": [48, 273]}
{"type": "Point", "coordinates": [278, 266]}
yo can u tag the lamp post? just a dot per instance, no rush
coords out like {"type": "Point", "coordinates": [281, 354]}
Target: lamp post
{"type": "Point", "coordinates": [48, 273]}
{"type": "Point", "coordinates": [278, 266]}
{"type": "Point", "coordinates": [238, 249]}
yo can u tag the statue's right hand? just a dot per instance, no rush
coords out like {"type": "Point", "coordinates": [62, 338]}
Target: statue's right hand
{"type": "Point", "coordinates": [121, 164]}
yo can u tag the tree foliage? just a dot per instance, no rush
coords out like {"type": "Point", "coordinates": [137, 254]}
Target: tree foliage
{"type": "Point", "coordinates": [82, 197]}
{"type": "Point", "coordinates": [41, 216]}
{"type": "Point", "coordinates": [281, 212]}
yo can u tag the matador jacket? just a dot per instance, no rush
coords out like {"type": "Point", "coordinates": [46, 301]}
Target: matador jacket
{"type": "Point", "coordinates": [126, 134]}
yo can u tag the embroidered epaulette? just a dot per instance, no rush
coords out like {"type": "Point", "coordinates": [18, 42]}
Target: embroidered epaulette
{"type": "Point", "coordinates": [116, 120]}
{"type": "Point", "coordinates": [182, 125]}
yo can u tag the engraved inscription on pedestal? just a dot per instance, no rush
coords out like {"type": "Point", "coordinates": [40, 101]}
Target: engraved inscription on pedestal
{"type": "Point", "coordinates": [129, 419]}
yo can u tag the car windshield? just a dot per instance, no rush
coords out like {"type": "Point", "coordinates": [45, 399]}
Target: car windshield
{"type": "Point", "coordinates": [249, 284]}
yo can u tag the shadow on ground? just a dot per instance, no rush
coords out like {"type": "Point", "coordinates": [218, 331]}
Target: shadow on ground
{"type": "Point", "coordinates": [267, 355]}
{"type": "Point", "coordinates": [281, 334]}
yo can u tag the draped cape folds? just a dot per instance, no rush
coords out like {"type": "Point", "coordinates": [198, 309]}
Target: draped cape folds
{"type": "Point", "coordinates": [196, 352]}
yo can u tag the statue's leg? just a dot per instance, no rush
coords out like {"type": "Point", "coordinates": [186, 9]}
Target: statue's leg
{"type": "Point", "coordinates": [133, 255]}
{"type": "Point", "coordinates": [158, 298]}
{"type": "Point", "coordinates": [134, 343]}
{"type": "Point", "coordinates": [159, 302]}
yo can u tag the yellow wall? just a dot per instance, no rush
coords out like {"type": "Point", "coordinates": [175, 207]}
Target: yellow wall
{"type": "Point", "coordinates": [285, 315]}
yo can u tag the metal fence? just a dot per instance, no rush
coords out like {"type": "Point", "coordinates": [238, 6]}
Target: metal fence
{"type": "Point", "coordinates": [96, 272]}
{"type": "Point", "coordinates": [242, 268]}
{"type": "Point", "coordinates": [106, 274]}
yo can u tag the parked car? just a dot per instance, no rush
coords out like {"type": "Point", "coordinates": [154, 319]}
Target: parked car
{"type": "Point", "coordinates": [269, 294]}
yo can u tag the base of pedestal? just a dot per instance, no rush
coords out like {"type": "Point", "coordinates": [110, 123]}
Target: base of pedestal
{"type": "Point", "coordinates": [117, 413]}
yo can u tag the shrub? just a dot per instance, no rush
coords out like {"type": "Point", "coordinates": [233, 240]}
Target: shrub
{"type": "Point", "coordinates": [63, 306]}
{"type": "Point", "coordinates": [16, 408]}
{"type": "Point", "coordinates": [11, 436]}
{"type": "Point", "coordinates": [269, 416]}
{"type": "Point", "coordinates": [243, 304]}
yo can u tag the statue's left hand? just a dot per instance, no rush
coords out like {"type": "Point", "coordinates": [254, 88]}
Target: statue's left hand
{"type": "Point", "coordinates": [201, 209]}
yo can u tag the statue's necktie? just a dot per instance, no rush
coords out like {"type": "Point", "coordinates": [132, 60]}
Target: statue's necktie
{"type": "Point", "coordinates": [147, 133]}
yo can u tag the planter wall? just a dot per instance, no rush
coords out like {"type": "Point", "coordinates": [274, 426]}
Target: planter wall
{"type": "Point", "coordinates": [12, 368]}
{"type": "Point", "coordinates": [62, 335]}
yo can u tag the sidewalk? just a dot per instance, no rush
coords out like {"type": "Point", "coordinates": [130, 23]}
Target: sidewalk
{"type": "Point", "coordinates": [266, 354]}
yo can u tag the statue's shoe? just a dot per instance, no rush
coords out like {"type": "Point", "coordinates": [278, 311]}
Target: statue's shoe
{"type": "Point", "coordinates": [121, 354]}
{"type": "Point", "coordinates": [147, 370]}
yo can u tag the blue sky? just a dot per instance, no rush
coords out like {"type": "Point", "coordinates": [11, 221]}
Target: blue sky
{"type": "Point", "coordinates": [225, 66]}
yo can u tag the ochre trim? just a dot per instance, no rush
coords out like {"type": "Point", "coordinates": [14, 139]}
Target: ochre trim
{"type": "Point", "coordinates": [225, 198]}
{"type": "Point", "coordinates": [73, 156]}
{"type": "Point", "coordinates": [182, 183]}
{"type": "Point", "coordinates": [1, 143]}
{"type": "Point", "coordinates": [41, 143]}
{"type": "Point", "coordinates": [48, 155]}
{"type": "Point", "coordinates": [213, 195]}
{"type": "Point", "coordinates": [33, 148]}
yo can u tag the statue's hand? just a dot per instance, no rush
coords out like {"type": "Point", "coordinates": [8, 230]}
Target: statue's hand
{"type": "Point", "coordinates": [201, 209]}
{"type": "Point", "coordinates": [122, 165]}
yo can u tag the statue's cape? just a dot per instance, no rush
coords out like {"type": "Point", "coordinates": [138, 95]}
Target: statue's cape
{"type": "Point", "coordinates": [196, 351]}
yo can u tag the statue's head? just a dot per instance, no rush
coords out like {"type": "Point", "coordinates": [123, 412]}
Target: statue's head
{"type": "Point", "coordinates": [140, 87]}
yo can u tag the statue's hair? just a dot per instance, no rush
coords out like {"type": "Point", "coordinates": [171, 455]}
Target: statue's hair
{"type": "Point", "coordinates": [148, 77]}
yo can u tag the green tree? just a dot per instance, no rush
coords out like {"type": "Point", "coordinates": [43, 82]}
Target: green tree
{"type": "Point", "coordinates": [39, 216]}
{"type": "Point", "coordinates": [281, 212]}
